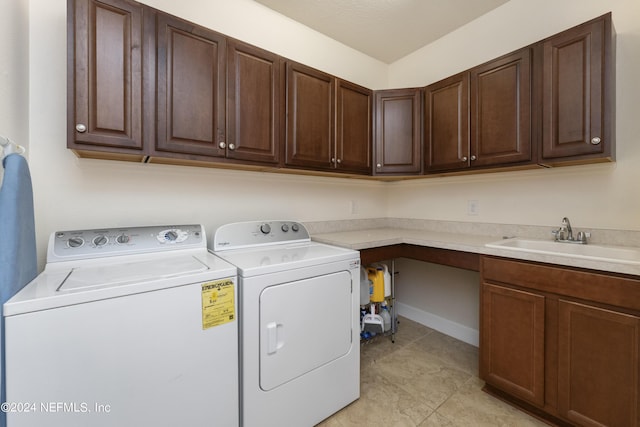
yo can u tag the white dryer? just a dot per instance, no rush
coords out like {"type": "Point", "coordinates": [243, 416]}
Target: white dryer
{"type": "Point", "coordinates": [125, 327]}
{"type": "Point", "coordinates": [299, 322]}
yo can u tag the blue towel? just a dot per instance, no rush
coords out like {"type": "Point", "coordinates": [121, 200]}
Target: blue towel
{"type": "Point", "coordinates": [18, 263]}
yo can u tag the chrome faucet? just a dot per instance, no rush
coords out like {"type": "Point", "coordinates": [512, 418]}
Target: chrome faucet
{"type": "Point", "coordinates": [567, 225]}
{"type": "Point", "coordinates": [565, 234]}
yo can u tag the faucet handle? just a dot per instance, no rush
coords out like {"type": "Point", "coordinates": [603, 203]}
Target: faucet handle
{"type": "Point", "coordinates": [560, 233]}
{"type": "Point", "coordinates": [583, 236]}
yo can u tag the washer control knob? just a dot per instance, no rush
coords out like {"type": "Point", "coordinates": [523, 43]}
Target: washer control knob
{"type": "Point", "coordinates": [285, 228]}
{"type": "Point", "coordinates": [100, 240]}
{"type": "Point", "coordinates": [75, 242]}
{"type": "Point", "coordinates": [172, 235]}
{"type": "Point", "coordinates": [123, 238]}
{"type": "Point", "coordinates": [295, 227]}
{"type": "Point", "coordinates": [265, 228]}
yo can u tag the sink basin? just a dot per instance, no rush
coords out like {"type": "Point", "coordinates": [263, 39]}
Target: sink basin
{"type": "Point", "coordinates": [549, 247]}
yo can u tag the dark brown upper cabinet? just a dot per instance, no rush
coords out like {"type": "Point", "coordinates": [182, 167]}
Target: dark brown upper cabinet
{"type": "Point", "coordinates": [191, 82]}
{"type": "Point", "coordinates": [481, 117]}
{"type": "Point", "coordinates": [328, 122]}
{"type": "Point", "coordinates": [143, 85]}
{"type": "Point", "coordinates": [398, 132]}
{"type": "Point", "coordinates": [501, 110]}
{"type": "Point", "coordinates": [446, 124]}
{"type": "Point", "coordinates": [217, 99]}
{"type": "Point", "coordinates": [310, 117]}
{"type": "Point", "coordinates": [353, 128]}
{"type": "Point", "coordinates": [254, 101]}
{"type": "Point", "coordinates": [578, 93]}
{"type": "Point", "coordinates": [105, 79]}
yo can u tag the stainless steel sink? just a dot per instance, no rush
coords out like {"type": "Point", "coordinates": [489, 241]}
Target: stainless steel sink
{"type": "Point", "coordinates": [626, 255]}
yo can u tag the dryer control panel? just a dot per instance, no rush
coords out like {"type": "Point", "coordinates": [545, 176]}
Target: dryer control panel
{"type": "Point", "coordinates": [103, 242]}
{"type": "Point", "coordinates": [248, 234]}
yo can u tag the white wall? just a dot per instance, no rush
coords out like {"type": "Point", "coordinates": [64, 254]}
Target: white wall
{"type": "Point", "coordinates": [83, 193]}
{"type": "Point", "coordinates": [14, 66]}
{"type": "Point", "coordinates": [444, 298]}
{"type": "Point", "coordinates": [593, 196]}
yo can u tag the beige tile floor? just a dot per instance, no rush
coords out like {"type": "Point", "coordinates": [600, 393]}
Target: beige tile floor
{"type": "Point", "coordinates": [424, 379]}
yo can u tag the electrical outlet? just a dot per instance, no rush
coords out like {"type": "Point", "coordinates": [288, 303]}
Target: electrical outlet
{"type": "Point", "coordinates": [355, 207]}
{"type": "Point", "coordinates": [473, 207]}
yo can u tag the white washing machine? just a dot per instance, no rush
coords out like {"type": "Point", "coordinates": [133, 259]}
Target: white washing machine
{"type": "Point", "coordinates": [299, 322]}
{"type": "Point", "coordinates": [125, 327]}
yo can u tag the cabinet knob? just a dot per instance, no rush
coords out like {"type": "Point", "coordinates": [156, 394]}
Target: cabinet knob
{"type": "Point", "coordinates": [339, 161]}
{"type": "Point", "coordinates": [464, 159]}
{"type": "Point", "coordinates": [378, 165]}
{"type": "Point", "coordinates": [473, 157]}
{"type": "Point", "coordinates": [595, 140]}
{"type": "Point", "coordinates": [221, 144]}
{"type": "Point", "coordinates": [333, 160]}
{"type": "Point", "coordinates": [232, 146]}
{"type": "Point", "coordinates": [81, 128]}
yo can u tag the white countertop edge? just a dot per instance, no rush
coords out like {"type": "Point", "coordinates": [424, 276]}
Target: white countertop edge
{"type": "Point", "coordinates": [372, 238]}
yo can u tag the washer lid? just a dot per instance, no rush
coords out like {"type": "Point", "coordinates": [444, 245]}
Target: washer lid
{"type": "Point", "coordinates": [78, 282]}
{"type": "Point", "coordinates": [275, 258]}
{"type": "Point", "coordinates": [102, 276]}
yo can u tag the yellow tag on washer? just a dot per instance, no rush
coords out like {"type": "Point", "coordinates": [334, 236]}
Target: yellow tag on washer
{"type": "Point", "coordinates": [218, 303]}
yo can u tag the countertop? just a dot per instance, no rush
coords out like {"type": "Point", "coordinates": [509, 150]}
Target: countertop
{"type": "Point", "coordinates": [377, 237]}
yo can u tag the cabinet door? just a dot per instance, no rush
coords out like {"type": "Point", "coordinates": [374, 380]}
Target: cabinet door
{"type": "Point", "coordinates": [310, 117]}
{"type": "Point", "coordinates": [353, 128]}
{"type": "Point", "coordinates": [577, 69]}
{"type": "Point", "coordinates": [105, 84]}
{"type": "Point", "coordinates": [446, 124]}
{"type": "Point", "coordinates": [501, 110]}
{"type": "Point", "coordinates": [512, 341]}
{"type": "Point", "coordinates": [254, 98]}
{"type": "Point", "coordinates": [598, 366]}
{"type": "Point", "coordinates": [190, 88]}
{"type": "Point", "coordinates": [398, 131]}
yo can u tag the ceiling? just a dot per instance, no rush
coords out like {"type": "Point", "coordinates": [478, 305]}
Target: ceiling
{"type": "Point", "coordinates": [383, 29]}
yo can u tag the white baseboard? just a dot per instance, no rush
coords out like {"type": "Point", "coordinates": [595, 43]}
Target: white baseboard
{"type": "Point", "coordinates": [440, 324]}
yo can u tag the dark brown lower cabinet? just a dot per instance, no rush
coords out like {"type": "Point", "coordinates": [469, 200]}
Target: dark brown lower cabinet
{"type": "Point", "coordinates": [513, 331]}
{"type": "Point", "coordinates": [598, 365]}
{"type": "Point", "coordinates": [561, 342]}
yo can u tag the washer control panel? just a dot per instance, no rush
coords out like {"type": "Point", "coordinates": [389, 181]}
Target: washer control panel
{"type": "Point", "coordinates": [257, 233]}
{"type": "Point", "coordinates": [98, 243]}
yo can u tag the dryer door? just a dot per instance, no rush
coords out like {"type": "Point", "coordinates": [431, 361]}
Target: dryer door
{"type": "Point", "coordinates": [303, 326]}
